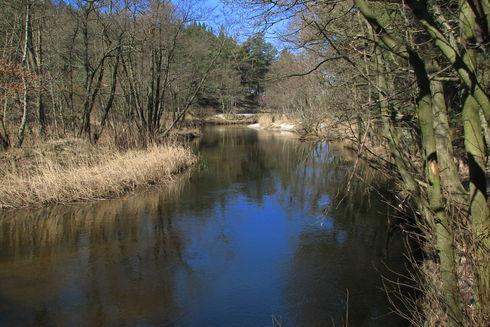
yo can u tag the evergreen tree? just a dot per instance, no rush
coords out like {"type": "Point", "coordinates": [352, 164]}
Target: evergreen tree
{"type": "Point", "coordinates": [256, 57]}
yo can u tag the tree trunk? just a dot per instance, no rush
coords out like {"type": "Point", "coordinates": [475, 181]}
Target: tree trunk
{"type": "Point", "coordinates": [110, 101]}
{"type": "Point", "coordinates": [25, 63]}
{"type": "Point", "coordinates": [41, 110]}
{"type": "Point", "coordinates": [449, 171]}
{"type": "Point", "coordinates": [4, 135]}
{"type": "Point", "coordinates": [479, 212]}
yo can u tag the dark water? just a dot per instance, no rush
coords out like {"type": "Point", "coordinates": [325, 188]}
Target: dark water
{"type": "Point", "coordinates": [241, 242]}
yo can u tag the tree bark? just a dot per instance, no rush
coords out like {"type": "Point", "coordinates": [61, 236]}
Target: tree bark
{"type": "Point", "coordinates": [25, 63]}
{"type": "Point", "coordinates": [479, 212]}
{"type": "Point", "coordinates": [442, 132]}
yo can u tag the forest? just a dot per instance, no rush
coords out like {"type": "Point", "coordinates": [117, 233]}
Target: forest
{"type": "Point", "coordinates": [403, 84]}
{"type": "Point", "coordinates": [77, 68]}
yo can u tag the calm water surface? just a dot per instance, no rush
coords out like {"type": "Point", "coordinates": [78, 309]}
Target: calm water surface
{"type": "Point", "coordinates": [242, 241]}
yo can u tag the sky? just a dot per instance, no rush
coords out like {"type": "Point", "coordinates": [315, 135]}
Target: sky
{"type": "Point", "coordinates": [238, 22]}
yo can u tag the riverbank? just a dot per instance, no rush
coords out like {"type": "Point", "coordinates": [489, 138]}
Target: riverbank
{"type": "Point", "coordinates": [343, 134]}
{"type": "Point", "coordinates": [72, 170]}
{"type": "Point", "coordinates": [278, 123]}
{"type": "Point", "coordinates": [227, 119]}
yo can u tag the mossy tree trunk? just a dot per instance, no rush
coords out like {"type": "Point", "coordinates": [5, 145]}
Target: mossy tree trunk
{"type": "Point", "coordinates": [478, 208]}
{"type": "Point", "coordinates": [435, 217]}
{"type": "Point", "coordinates": [450, 179]}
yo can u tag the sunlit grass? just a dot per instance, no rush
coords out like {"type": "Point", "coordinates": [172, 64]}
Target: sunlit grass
{"type": "Point", "coordinates": [89, 177]}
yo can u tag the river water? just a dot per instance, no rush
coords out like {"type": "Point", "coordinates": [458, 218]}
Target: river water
{"type": "Point", "coordinates": [259, 234]}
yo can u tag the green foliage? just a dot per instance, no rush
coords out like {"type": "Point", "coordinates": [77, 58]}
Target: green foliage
{"type": "Point", "coordinates": [239, 72]}
{"type": "Point", "coordinates": [256, 57]}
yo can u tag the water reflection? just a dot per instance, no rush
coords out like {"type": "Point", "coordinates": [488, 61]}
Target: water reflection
{"type": "Point", "coordinates": [242, 239]}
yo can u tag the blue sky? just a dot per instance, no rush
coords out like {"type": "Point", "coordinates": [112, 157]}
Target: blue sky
{"type": "Point", "coordinates": [237, 21]}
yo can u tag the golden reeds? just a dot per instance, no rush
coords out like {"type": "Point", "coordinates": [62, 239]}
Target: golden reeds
{"type": "Point", "coordinates": [109, 175]}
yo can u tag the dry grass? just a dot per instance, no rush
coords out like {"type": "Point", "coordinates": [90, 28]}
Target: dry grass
{"type": "Point", "coordinates": [266, 119]}
{"type": "Point", "coordinates": [270, 121]}
{"type": "Point", "coordinates": [45, 178]}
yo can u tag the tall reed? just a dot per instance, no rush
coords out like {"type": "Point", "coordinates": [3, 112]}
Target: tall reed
{"type": "Point", "coordinates": [111, 175]}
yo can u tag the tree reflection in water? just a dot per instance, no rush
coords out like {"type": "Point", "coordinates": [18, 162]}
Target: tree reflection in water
{"type": "Point", "coordinates": [241, 238]}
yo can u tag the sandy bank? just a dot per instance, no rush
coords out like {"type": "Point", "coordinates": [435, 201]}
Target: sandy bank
{"type": "Point", "coordinates": [231, 119]}
{"type": "Point", "coordinates": [282, 127]}
{"type": "Point", "coordinates": [277, 123]}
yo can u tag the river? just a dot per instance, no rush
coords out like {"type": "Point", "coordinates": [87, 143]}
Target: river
{"type": "Point", "coordinates": [257, 235]}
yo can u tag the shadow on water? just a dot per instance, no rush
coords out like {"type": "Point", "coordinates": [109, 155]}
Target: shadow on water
{"type": "Point", "coordinates": [242, 239]}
